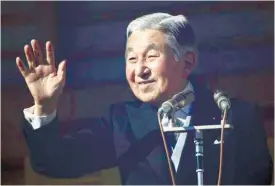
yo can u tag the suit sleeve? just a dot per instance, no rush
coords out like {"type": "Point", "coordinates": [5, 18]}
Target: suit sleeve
{"type": "Point", "coordinates": [84, 151]}
{"type": "Point", "coordinates": [253, 157]}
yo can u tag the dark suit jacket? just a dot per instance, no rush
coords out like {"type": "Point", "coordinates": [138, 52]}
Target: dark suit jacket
{"type": "Point", "coordinates": [129, 137]}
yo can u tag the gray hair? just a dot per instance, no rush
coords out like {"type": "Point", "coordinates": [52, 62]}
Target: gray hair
{"type": "Point", "coordinates": [179, 33]}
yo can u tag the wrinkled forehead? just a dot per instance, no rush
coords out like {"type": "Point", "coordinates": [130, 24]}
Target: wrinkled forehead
{"type": "Point", "coordinates": [149, 46]}
{"type": "Point", "coordinates": [145, 39]}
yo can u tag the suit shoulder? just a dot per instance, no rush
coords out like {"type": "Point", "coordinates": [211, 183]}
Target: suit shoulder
{"type": "Point", "coordinates": [244, 106]}
{"type": "Point", "coordinates": [118, 113]}
{"type": "Point", "coordinates": [122, 105]}
{"type": "Point", "coordinates": [246, 114]}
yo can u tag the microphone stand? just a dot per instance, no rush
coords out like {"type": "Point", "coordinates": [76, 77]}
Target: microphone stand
{"type": "Point", "coordinates": [198, 138]}
{"type": "Point", "coordinates": [199, 155]}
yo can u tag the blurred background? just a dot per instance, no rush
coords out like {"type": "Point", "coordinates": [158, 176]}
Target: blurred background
{"type": "Point", "coordinates": [236, 53]}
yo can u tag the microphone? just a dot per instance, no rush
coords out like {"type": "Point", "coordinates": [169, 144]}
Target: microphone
{"type": "Point", "coordinates": [177, 102]}
{"type": "Point", "coordinates": [224, 104]}
{"type": "Point", "coordinates": [222, 100]}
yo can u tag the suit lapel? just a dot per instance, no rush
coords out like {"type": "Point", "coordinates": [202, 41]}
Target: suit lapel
{"type": "Point", "coordinates": [144, 123]}
{"type": "Point", "coordinates": [205, 112]}
{"type": "Point", "coordinates": [143, 119]}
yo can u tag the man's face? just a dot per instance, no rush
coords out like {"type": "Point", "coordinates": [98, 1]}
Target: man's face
{"type": "Point", "coordinates": [151, 69]}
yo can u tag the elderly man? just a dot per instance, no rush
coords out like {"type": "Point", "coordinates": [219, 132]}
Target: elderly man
{"type": "Point", "coordinates": [160, 56]}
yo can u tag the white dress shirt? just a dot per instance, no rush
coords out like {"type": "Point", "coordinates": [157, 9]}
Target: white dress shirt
{"type": "Point", "coordinates": [181, 138]}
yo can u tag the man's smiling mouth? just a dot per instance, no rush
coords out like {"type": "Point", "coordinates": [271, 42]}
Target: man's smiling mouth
{"type": "Point", "coordinates": [146, 82]}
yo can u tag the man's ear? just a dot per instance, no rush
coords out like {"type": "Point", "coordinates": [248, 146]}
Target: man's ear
{"type": "Point", "coordinates": [190, 62]}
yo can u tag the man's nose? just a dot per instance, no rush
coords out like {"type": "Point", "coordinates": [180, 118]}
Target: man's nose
{"type": "Point", "coordinates": [141, 70]}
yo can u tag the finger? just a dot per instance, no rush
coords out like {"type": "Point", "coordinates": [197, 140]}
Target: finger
{"type": "Point", "coordinates": [61, 72]}
{"type": "Point", "coordinates": [29, 56]}
{"type": "Point", "coordinates": [37, 52]}
{"type": "Point", "coordinates": [21, 67]}
{"type": "Point", "coordinates": [50, 53]}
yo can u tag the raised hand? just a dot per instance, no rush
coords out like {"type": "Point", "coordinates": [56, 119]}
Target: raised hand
{"type": "Point", "coordinates": [44, 81]}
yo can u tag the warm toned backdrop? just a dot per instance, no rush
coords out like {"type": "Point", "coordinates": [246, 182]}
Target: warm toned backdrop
{"type": "Point", "coordinates": [236, 45]}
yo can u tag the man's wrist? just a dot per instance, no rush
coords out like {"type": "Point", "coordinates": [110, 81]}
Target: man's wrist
{"type": "Point", "coordinates": [44, 110]}
{"type": "Point", "coordinates": [37, 121]}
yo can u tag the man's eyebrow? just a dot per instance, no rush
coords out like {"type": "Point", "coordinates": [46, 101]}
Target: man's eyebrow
{"type": "Point", "coordinates": [152, 46]}
{"type": "Point", "coordinates": [149, 47]}
{"type": "Point", "coordinates": [129, 49]}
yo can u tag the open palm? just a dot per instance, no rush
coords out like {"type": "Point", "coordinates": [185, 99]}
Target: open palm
{"type": "Point", "coordinates": [44, 81]}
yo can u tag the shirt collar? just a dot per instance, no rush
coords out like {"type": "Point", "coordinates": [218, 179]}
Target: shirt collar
{"type": "Point", "coordinates": [186, 109]}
